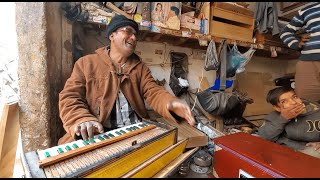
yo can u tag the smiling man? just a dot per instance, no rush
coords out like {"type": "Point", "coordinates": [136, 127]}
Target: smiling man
{"type": "Point", "coordinates": [295, 123]}
{"type": "Point", "coordinates": [107, 89]}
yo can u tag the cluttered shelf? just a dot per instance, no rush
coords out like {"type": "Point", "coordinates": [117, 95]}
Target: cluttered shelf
{"type": "Point", "coordinates": [216, 21]}
{"type": "Point", "coordinates": [195, 40]}
{"type": "Point", "coordinates": [180, 37]}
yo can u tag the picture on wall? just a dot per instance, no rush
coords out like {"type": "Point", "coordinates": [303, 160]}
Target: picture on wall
{"type": "Point", "coordinates": [166, 14]}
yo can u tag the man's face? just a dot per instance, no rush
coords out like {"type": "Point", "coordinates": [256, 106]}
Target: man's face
{"type": "Point", "coordinates": [171, 13]}
{"type": "Point", "coordinates": [125, 39]}
{"type": "Point", "coordinates": [288, 99]}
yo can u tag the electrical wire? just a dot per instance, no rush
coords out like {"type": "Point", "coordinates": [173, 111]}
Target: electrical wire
{"type": "Point", "coordinates": [195, 99]}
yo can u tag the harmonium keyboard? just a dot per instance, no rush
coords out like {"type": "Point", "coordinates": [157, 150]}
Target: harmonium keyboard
{"type": "Point", "coordinates": [242, 155]}
{"type": "Point", "coordinates": [137, 150]}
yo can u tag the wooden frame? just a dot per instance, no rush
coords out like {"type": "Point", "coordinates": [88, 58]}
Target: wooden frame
{"type": "Point", "coordinates": [287, 6]}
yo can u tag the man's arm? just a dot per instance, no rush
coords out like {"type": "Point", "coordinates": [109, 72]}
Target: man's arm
{"type": "Point", "coordinates": [272, 127]}
{"type": "Point", "coordinates": [162, 101]}
{"type": "Point", "coordinates": [73, 106]}
{"type": "Point", "coordinates": [288, 34]}
{"type": "Point", "coordinates": [315, 145]}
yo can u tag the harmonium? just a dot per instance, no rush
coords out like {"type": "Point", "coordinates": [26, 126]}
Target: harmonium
{"type": "Point", "coordinates": [242, 155]}
{"type": "Point", "coordinates": [137, 150]}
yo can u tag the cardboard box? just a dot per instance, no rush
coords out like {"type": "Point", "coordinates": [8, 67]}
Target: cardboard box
{"type": "Point", "coordinates": [231, 24]}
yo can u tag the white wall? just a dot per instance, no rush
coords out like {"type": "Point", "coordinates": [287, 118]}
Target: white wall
{"type": "Point", "coordinates": [195, 58]}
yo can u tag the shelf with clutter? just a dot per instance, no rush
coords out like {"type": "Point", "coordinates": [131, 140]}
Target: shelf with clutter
{"type": "Point", "coordinates": [189, 24]}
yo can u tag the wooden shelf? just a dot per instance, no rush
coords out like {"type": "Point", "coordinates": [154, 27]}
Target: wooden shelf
{"type": "Point", "coordinates": [174, 37]}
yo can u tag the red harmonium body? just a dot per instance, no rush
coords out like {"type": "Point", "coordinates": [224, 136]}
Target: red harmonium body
{"type": "Point", "coordinates": [244, 155]}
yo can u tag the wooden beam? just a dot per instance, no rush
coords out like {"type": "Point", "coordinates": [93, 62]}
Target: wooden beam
{"type": "Point", "coordinates": [9, 134]}
{"type": "Point", "coordinates": [116, 9]}
{"type": "Point", "coordinates": [195, 137]}
{"type": "Point", "coordinates": [67, 59]}
{"type": "Point", "coordinates": [54, 159]}
{"type": "Point", "coordinates": [180, 41]}
{"type": "Point", "coordinates": [170, 168]}
{"type": "Point", "coordinates": [157, 37]}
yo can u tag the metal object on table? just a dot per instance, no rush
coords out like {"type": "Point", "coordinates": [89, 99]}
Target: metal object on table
{"type": "Point", "coordinates": [203, 159]}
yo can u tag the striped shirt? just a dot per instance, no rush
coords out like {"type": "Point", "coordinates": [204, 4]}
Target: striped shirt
{"type": "Point", "coordinates": [123, 114]}
{"type": "Point", "coordinates": [309, 19]}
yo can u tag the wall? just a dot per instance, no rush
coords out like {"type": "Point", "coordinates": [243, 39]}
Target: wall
{"type": "Point", "coordinates": [32, 72]}
{"type": "Point", "coordinates": [44, 61]}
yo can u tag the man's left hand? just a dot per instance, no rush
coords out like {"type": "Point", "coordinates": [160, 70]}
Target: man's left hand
{"type": "Point", "coordinates": [304, 38]}
{"type": "Point", "coordinates": [315, 145]}
{"type": "Point", "coordinates": [181, 109]}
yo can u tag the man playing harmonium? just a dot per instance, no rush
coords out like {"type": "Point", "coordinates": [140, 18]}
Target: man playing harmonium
{"type": "Point", "coordinates": [107, 89]}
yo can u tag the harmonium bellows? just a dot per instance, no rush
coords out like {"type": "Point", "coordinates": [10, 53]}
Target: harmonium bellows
{"type": "Point", "coordinates": [115, 153]}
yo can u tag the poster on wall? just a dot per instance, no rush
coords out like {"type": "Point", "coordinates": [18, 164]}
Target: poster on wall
{"type": "Point", "coordinates": [166, 14]}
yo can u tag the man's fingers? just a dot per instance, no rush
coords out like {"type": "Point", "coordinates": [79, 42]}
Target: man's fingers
{"type": "Point", "coordinates": [84, 132]}
{"type": "Point", "coordinates": [191, 121]}
{"type": "Point", "coordinates": [90, 129]}
{"type": "Point", "coordinates": [77, 130]}
{"type": "Point", "coordinates": [189, 117]}
{"type": "Point", "coordinates": [99, 127]}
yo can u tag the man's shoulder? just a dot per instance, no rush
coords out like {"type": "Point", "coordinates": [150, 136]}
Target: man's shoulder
{"type": "Point", "coordinates": [87, 59]}
{"type": "Point", "coordinates": [272, 115]}
{"type": "Point", "coordinates": [312, 5]}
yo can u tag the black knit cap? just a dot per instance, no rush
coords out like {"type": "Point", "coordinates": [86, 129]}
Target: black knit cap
{"type": "Point", "coordinates": [120, 21]}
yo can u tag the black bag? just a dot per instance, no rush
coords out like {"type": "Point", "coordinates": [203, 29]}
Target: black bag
{"type": "Point", "coordinates": [217, 103]}
{"type": "Point", "coordinates": [230, 106]}
{"type": "Point", "coordinates": [178, 70]}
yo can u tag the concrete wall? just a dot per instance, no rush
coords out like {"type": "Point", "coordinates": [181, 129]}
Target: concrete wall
{"type": "Point", "coordinates": [33, 75]}
{"type": "Point", "coordinates": [42, 61]}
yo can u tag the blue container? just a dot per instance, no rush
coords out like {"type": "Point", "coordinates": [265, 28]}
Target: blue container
{"type": "Point", "coordinates": [217, 84]}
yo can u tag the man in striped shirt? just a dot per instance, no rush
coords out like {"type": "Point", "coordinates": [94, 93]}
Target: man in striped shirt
{"type": "Point", "coordinates": [307, 78]}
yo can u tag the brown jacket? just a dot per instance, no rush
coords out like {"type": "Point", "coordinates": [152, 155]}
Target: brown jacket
{"type": "Point", "coordinates": [91, 91]}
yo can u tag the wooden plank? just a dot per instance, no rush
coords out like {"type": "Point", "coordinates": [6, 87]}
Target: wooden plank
{"type": "Point", "coordinates": [154, 164]}
{"type": "Point", "coordinates": [67, 58]}
{"type": "Point", "coordinates": [221, 13]}
{"type": "Point", "coordinates": [116, 9]}
{"type": "Point", "coordinates": [9, 134]}
{"type": "Point", "coordinates": [175, 164]}
{"type": "Point", "coordinates": [157, 37]}
{"type": "Point", "coordinates": [180, 41]}
{"type": "Point", "coordinates": [195, 137]}
{"type": "Point", "coordinates": [117, 167]}
{"type": "Point", "coordinates": [234, 8]}
{"type": "Point", "coordinates": [219, 124]}
{"type": "Point", "coordinates": [204, 83]}
{"type": "Point", "coordinates": [3, 123]}
{"type": "Point", "coordinates": [81, 150]}
{"type": "Point", "coordinates": [224, 30]}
